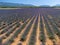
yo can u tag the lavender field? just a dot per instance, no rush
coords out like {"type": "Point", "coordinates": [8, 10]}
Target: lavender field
{"type": "Point", "coordinates": [30, 26]}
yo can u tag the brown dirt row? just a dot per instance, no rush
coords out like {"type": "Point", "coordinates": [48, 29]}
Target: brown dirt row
{"type": "Point", "coordinates": [38, 32]}
{"type": "Point", "coordinates": [28, 36]}
{"type": "Point", "coordinates": [10, 28]}
{"type": "Point", "coordinates": [57, 41]}
{"type": "Point", "coordinates": [7, 27]}
{"type": "Point", "coordinates": [10, 35]}
{"type": "Point", "coordinates": [7, 31]}
{"type": "Point", "coordinates": [48, 41]}
{"type": "Point", "coordinates": [17, 40]}
{"type": "Point", "coordinates": [54, 23]}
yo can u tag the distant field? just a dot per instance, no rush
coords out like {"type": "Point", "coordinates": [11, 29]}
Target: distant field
{"type": "Point", "coordinates": [29, 26]}
{"type": "Point", "coordinates": [57, 8]}
{"type": "Point", "coordinates": [9, 8]}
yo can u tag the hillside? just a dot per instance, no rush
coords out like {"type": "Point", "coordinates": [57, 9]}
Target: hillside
{"type": "Point", "coordinates": [6, 4]}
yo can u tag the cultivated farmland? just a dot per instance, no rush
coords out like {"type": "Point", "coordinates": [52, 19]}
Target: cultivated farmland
{"type": "Point", "coordinates": [30, 26]}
